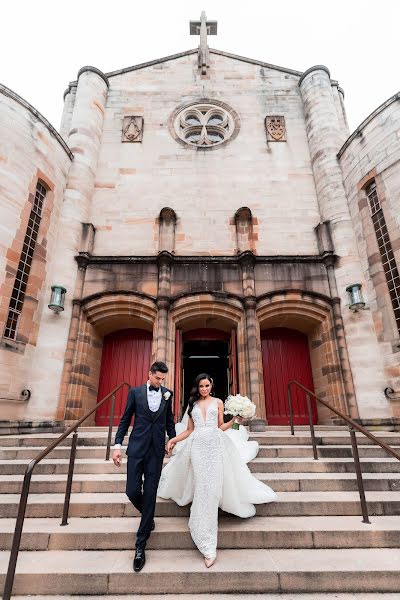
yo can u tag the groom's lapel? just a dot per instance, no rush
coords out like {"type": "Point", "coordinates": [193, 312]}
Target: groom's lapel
{"type": "Point", "coordinates": [162, 404]}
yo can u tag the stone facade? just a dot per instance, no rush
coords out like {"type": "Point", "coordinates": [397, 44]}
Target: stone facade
{"type": "Point", "coordinates": [372, 153]}
{"type": "Point", "coordinates": [31, 151]}
{"type": "Point", "coordinates": [246, 235]}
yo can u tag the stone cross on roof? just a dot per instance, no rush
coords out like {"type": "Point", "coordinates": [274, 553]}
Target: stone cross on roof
{"type": "Point", "coordinates": [202, 28]}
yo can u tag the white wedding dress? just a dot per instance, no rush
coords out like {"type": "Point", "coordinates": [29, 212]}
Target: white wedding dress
{"type": "Point", "coordinates": [209, 469]}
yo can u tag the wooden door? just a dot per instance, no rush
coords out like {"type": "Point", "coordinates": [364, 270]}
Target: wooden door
{"type": "Point", "coordinates": [286, 356]}
{"type": "Point", "coordinates": [126, 357]}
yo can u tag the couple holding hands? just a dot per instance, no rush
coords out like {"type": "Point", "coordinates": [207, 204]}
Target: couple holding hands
{"type": "Point", "coordinates": [207, 468]}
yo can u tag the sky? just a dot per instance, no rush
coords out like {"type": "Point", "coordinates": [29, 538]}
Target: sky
{"type": "Point", "coordinates": [43, 43]}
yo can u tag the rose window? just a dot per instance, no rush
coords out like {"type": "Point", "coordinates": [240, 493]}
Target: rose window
{"type": "Point", "coordinates": [204, 125]}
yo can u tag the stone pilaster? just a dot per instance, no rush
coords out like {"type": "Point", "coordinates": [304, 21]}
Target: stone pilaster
{"type": "Point", "coordinates": [252, 331]}
{"type": "Point", "coordinates": [163, 304]}
{"type": "Point", "coordinates": [325, 139]}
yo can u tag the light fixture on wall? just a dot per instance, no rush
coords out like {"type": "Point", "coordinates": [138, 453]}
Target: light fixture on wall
{"type": "Point", "coordinates": [57, 298]}
{"type": "Point", "coordinates": [355, 296]}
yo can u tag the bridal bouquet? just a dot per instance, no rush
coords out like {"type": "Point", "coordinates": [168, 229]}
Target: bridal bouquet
{"type": "Point", "coordinates": [239, 406]}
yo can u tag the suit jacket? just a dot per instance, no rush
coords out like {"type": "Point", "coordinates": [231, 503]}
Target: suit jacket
{"type": "Point", "coordinates": [148, 432]}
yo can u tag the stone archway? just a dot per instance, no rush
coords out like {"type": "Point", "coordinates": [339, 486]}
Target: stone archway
{"type": "Point", "coordinates": [311, 315]}
{"type": "Point", "coordinates": [207, 311]}
{"type": "Point", "coordinates": [98, 317]}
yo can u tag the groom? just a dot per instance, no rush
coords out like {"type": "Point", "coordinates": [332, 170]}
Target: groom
{"type": "Point", "coordinates": [152, 407]}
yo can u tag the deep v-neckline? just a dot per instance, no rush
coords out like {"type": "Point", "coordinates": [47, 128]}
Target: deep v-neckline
{"type": "Point", "coordinates": [202, 414]}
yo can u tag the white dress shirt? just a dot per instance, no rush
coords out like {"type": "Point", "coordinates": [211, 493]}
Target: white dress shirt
{"type": "Point", "coordinates": [154, 401]}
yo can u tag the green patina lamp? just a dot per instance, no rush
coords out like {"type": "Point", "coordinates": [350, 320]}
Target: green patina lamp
{"type": "Point", "coordinates": [57, 298]}
{"type": "Point", "coordinates": [355, 296]}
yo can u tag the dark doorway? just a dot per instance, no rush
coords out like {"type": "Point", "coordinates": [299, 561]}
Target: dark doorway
{"type": "Point", "coordinates": [205, 356]}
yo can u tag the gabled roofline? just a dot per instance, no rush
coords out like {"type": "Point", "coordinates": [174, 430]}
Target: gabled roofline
{"type": "Point", "coordinates": [253, 61]}
{"type": "Point", "coordinates": [14, 96]}
{"type": "Point", "coordinates": [164, 59]}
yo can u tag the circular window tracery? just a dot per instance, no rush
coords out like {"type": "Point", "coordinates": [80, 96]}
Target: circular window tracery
{"type": "Point", "coordinates": [204, 124]}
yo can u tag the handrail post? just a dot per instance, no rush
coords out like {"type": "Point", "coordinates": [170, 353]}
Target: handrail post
{"type": "Point", "coordinates": [310, 418]}
{"type": "Point", "coordinates": [69, 479]}
{"type": "Point", "coordinates": [110, 426]}
{"type": "Point", "coordinates": [290, 410]}
{"type": "Point", "coordinates": [8, 586]}
{"type": "Point", "coordinates": [360, 483]}
{"type": "Point", "coordinates": [16, 541]}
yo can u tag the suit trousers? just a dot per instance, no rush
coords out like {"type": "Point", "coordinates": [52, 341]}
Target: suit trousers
{"type": "Point", "coordinates": [143, 476]}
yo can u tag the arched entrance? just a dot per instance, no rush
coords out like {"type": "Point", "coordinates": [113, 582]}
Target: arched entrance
{"type": "Point", "coordinates": [126, 357]}
{"type": "Point", "coordinates": [211, 351]}
{"type": "Point", "coordinates": [286, 357]}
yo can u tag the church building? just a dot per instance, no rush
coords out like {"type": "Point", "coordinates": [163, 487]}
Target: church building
{"type": "Point", "coordinates": [210, 211]}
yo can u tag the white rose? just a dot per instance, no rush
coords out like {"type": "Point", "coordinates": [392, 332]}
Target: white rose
{"type": "Point", "coordinates": [167, 395]}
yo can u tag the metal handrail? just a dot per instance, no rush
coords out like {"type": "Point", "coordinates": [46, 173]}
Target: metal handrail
{"type": "Point", "coordinates": [16, 543]}
{"type": "Point", "coordinates": [353, 427]}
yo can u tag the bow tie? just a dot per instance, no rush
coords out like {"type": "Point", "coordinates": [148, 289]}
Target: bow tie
{"type": "Point", "coordinates": [153, 389]}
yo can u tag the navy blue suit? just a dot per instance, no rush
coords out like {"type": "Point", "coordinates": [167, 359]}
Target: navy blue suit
{"type": "Point", "coordinates": [145, 451]}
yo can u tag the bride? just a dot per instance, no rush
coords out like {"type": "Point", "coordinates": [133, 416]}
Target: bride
{"type": "Point", "coordinates": [208, 468]}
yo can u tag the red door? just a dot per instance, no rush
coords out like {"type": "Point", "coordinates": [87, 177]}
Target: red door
{"type": "Point", "coordinates": [285, 357]}
{"type": "Point", "coordinates": [126, 357]}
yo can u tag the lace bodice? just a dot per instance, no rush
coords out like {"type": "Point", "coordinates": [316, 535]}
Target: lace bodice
{"type": "Point", "coordinates": [211, 419]}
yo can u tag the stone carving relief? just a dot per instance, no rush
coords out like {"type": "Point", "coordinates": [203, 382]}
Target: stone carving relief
{"type": "Point", "coordinates": [132, 130]}
{"type": "Point", "coordinates": [275, 128]}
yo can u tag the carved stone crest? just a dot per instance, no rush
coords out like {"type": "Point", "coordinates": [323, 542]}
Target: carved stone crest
{"type": "Point", "coordinates": [132, 130]}
{"type": "Point", "coordinates": [275, 128]}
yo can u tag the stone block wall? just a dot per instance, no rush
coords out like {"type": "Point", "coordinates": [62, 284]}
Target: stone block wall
{"type": "Point", "coordinates": [373, 153]}
{"type": "Point", "coordinates": [205, 188]}
{"type": "Point", "coordinates": [30, 150]}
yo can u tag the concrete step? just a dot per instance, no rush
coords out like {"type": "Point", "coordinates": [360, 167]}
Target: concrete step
{"type": "Point", "coordinates": [288, 504]}
{"type": "Point", "coordinates": [258, 465]}
{"type": "Point", "coordinates": [172, 533]}
{"type": "Point", "coordinates": [271, 438]}
{"type": "Point", "coordinates": [235, 571]}
{"type": "Point", "coordinates": [319, 596]}
{"type": "Point", "coordinates": [291, 451]}
{"type": "Point", "coordinates": [280, 482]}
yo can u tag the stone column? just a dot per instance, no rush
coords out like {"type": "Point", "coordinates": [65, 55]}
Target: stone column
{"type": "Point", "coordinates": [251, 332]}
{"type": "Point", "coordinates": [163, 303]}
{"type": "Point", "coordinates": [338, 96]}
{"type": "Point", "coordinates": [65, 126]}
{"type": "Point", "coordinates": [325, 138]}
{"type": "Point", "coordinates": [84, 141]}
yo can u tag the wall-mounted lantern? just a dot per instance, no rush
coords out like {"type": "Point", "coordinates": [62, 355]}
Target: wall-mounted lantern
{"type": "Point", "coordinates": [57, 298]}
{"type": "Point", "coordinates": [355, 296]}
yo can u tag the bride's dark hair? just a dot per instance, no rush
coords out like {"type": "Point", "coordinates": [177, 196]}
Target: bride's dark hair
{"type": "Point", "coordinates": [195, 394]}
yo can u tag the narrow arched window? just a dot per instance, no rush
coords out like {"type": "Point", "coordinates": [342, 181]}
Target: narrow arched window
{"type": "Point", "coordinates": [25, 263]}
{"type": "Point", "coordinates": [244, 229]}
{"type": "Point", "coordinates": [385, 249]}
{"type": "Point", "coordinates": [167, 222]}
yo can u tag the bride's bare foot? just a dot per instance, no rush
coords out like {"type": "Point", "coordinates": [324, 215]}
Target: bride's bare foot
{"type": "Point", "coordinates": [209, 561]}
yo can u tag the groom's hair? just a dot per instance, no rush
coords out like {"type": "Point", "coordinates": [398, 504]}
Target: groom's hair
{"type": "Point", "coordinates": [159, 366]}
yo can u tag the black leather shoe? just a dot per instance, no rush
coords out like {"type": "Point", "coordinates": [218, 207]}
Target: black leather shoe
{"type": "Point", "coordinates": [139, 560]}
{"type": "Point", "coordinates": [153, 526]}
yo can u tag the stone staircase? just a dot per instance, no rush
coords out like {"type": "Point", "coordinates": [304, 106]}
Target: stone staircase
{"type": "Point", "coordinates": [310, 544]}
